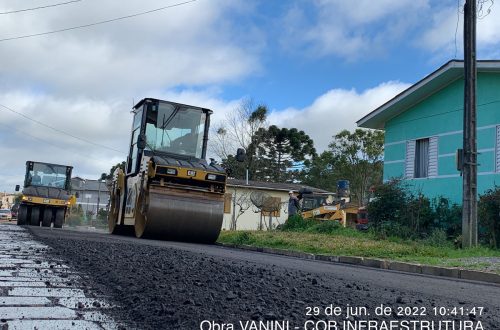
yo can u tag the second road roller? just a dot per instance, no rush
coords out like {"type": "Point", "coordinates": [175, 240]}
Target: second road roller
{"type": "Point", "coordinates": [168, 190]}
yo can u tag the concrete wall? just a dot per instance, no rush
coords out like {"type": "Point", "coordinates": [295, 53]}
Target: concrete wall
{"type": "Point", "coordinates": [250, 219]}
{"type": "Point", "coordinates": [441, 115]}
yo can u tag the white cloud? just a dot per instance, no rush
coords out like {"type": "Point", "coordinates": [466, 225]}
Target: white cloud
{"type": "Point", "coordinates": [447, 22]}
{"type": "Point", "coordinates": [350, 30]}
{"type": "Point", "coordinates": [335, 110]}
{"type": "Point", "coordinates": [192, 44]}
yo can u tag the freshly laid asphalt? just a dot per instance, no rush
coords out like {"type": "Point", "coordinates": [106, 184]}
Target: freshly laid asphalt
{"type": "Point", "coordinates": [172, 285]}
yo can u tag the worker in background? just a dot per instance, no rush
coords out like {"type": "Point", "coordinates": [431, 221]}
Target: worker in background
{"type": "Point", "coordinates": [293, 204]}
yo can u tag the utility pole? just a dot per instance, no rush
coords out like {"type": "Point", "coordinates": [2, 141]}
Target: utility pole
{"type": "Point", "coordinates": [469, 197]}
{"type": "Point", "coordinates": [98, 198]}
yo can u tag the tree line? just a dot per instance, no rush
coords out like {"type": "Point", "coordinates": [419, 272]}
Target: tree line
{"type": "Point", "coordinates": [277, 154]}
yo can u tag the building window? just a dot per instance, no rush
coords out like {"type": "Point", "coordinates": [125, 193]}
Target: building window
{"type": "Point", "coordinates": [422, 158]}
{"type": "Point", "coordinates": [228, 200]}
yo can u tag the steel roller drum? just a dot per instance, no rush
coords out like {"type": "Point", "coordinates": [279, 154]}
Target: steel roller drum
{"type": "Point", "coordinates": [179, 218]}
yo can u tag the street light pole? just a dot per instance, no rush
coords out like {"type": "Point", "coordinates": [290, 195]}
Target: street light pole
{"type": "Point", "coordinates": [83, 198]}
{"type": "Point", "coordinates": [98, 197]}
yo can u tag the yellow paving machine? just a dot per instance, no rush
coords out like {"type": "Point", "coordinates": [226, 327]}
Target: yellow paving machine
{"type": "Point", "coordinates": [326, 206]}
{"type": "Point", "coordinates": [168, 190]}
{"type": "Point", "coordinates": [46, 195]}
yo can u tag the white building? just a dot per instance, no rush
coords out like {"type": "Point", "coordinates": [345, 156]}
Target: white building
{"type": "Point", "coordinates": [240, 198]}
{"type": "Point", "coordinates": [8, 200]}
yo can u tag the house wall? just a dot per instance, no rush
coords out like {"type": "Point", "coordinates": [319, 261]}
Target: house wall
{"type": "Point", "coordinates": [250, 219]}
{"type": "Point", "coordinates": [8, 201]}
{"type": "Point", "coordinates": [88, 200]}
{"type": "Point", "coordinates": [440, 115]}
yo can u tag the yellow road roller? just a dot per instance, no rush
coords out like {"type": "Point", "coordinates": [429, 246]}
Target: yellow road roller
{"type": "Point", "coordinates": [46, 196]}
{"type": "Point", "coordinates": [168, 190]}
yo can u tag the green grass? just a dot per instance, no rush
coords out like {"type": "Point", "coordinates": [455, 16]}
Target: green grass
{"type": "Point", "coordinates": [350, 242]}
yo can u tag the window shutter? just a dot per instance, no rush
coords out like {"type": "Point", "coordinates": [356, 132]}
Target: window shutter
{"type": "Point", "coordinates": [227, 202]}
{"type": "Point", "coordinates": [410, 159]}
{"type": "Point", "coordinates": [433, 156]}
{"type": "Point", "coordinates": [497, 150]}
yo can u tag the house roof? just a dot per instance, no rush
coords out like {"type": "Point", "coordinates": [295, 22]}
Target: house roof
{"type": "Point", "coordinates": [272, 186]}
{"type": "Point", "coordinates": [79, 184]}
{"type": "Point", "coordinates": [421, 90]}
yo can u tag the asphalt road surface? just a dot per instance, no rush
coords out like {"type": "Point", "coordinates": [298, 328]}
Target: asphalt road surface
{"type": "Point", "coordinates": [38, 291]}
{"type": "Point", "coordinates": [171, 285]}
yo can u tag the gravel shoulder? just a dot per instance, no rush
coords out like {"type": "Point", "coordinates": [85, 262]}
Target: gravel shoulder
{"type": "Point", "coordinates": [172, 285]}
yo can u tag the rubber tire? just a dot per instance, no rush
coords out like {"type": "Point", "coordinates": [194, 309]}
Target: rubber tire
{"type": "Point", "coordinates": [113, 210]}
{"type": "Point", "coordinates": [35, 216]}
{"type": "Point", "coordinates": [47, 217]}
{"type": "Point", "coordinates": [22, 215]}
{"type": "Point", "coordinates": [59, 219]}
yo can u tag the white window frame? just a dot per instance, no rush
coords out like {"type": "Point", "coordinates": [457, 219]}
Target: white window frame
{"type": "Point", "coordinates": [432, 161]}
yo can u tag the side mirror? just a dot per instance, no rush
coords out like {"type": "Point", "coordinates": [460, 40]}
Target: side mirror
{"type": "Point", "coordinates": [141, 142]}
{"type": "Point", "coordinates": [241, 155]}
{"type": "Point", "coordinates": [17, 187]}
{"type": "Point", "coordinates": [77, 194]}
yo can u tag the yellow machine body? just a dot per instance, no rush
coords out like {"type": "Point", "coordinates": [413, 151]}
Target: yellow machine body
{"type": "Point", "coordinates": [327, 208]}
{"type": "Point", "coordinates": [167, 190]}
{"type": "Point", "coordinates": [46, 195]}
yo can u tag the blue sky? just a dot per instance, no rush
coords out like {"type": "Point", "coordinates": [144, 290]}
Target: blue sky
{"type": "Point", "coordinates": [319, 65]}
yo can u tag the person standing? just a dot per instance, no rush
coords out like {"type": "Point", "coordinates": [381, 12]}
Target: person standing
{"type": "Point", "coordinates": [293, 204]}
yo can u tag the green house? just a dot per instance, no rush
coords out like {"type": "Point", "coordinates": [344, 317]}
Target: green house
{"type": "Point", "coordinates": [424, 128]}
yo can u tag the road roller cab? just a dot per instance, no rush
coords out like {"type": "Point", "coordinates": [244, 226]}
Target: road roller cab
{"type": "Point", "coordinates": [168, 190]}
{"type": "Point", "coordinates": [46, 194]}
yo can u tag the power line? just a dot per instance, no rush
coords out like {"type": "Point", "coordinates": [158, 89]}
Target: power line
{"type": "Point", "coordinates": [47, 142]}
{"type": "Point", "coordinates": [96, 23]}
{"type": "Point", "coordinates": [41, 7]}
{"type": "Point", "coordinates": [60, 131]}
{"type": "Point", "coordinates": [456, 27]}
{"type": "Point", "coordinates": [480, 11]}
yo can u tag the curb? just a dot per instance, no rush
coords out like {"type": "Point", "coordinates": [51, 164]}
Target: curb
{"type": "Point", "coordinates": [464, 274]}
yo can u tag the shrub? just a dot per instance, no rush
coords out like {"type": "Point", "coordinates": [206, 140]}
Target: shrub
{"type": "Point", "coordinates": [102, 214]}
{"type": "Point", "coordinates": [390, 200]}
{"type": "Point", "coordinates": [101, 218]}
{"type": "Point", "coordinates": [438, 237]}
{"type": "Point", "coordinates": [297, 223]}
{"type": "Point", "coordinates": [397, 211]}
{"type": "Point", "coordinates": [489, 217]}
{"type": "Point", "coordinates": [74, 220]}
{"type": "Point", "coordinates": [447, 217]}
